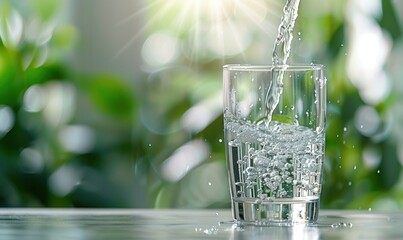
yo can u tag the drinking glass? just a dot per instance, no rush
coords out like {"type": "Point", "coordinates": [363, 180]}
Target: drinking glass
{"type": "Point", "coordinates": [275, 159]}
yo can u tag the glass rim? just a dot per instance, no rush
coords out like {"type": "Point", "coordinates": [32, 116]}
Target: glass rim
{"type": "Point", "coordinates": [291, 67]}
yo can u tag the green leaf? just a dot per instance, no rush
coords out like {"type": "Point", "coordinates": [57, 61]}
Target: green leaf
{"type": "Point", "coordinates": [65, 36]}
{"type": "Point", "coordinates": [46, 9]}
{"type": "Point", "coordinates": [10, 81]}
{"type": "Point", "coordinates": [390, 167]}
{"type": "Point", "coordinates": [112, 96]}
{"type": "Point", "coordinates": [282, 119]}
{"type": "Point", "coordinates": [389, 20]}
{"type": "Point", "coordinates": [44, 73]}
{"type": "Point", "coordinates": [336, 41]}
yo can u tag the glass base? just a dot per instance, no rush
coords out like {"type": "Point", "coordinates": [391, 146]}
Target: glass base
{"type": "Point", "coordinates": [281, 211]}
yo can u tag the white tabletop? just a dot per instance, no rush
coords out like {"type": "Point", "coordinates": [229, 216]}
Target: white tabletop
{"type": "Point", "coordinates": [188, 224]}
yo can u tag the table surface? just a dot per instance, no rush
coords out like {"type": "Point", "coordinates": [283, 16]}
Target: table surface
{"type": "Point", "coordinates": [188, 224]}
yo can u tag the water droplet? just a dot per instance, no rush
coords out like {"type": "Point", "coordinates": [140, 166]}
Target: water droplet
{"type": "Point", "coordinates": [342, 45]}
{"type": "Point", "coordinates": [369, 209]}
{"type": "Point", "coordinates": [345, 129]}
{"type": "Point", "coordinates": [379, 171]}
{"type": "Point", "coordinates": [349, 184]}
{"type": "Point", "coordinates": [149, 144]}
{"type": "Point", "coordinates": [209, 183]}
{"type": "Point", "coordinates": [342, 225]}
{"type": "Point", "coordinates": [361, 126]}
{"type": "Point", "coordinates": [220, 140]}
{"type": "Point", "coordinates": [355, 167]}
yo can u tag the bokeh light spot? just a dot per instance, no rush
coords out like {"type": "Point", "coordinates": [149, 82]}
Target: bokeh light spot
{"type": "Point", "coordinates": [371, 157]}
{"type": "Point", "coordinates": [184, 159]}
{"type": "Point", "coordinates": [201, 115]}
{"type": "Point", "coordinates": [34, 100]}
{"type": "Point", "coordinates": [11, 29]}
{"type": "Point", "coordinates": [60, 99]}
{"type": "Point", "coordinates": [6, 119]}
{"type": "Point", "coordinates": [160, 49]}
{"type": "Point", "coordinates": [368, 52]}
{"type": "Point", "coordinates": [76, 138]}
{"type": "Point", "coordinates": [400, 153]}
{"type": "Point", "coordinates": [31, 160]}
{"type": "Point", "coordinates": [64, 180]}
{"type": "Point", "coordinates": [206, 186]}
{"type": "Point", "coordinates": [367, 120]}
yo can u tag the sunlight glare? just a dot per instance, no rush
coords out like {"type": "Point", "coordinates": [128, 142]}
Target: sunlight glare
{"type": "Point", "coordinates": [212, 28]}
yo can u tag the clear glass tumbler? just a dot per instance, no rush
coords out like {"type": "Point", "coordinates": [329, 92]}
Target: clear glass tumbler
{"type": "Point", "coordinates": [275, 163]}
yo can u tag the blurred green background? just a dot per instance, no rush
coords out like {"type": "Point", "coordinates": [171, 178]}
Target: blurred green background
{"type": "Point", "coordinates": [118, 103]}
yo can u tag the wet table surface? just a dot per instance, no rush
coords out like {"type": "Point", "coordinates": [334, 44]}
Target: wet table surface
{"type": "Point", "coordinates": [188, 224]}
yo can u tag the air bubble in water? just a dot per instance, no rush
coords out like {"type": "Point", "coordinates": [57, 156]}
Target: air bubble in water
{"type": "Point", "coordinates": [278, 157]}
{"type": "Point", "coordinates": [312, 167]}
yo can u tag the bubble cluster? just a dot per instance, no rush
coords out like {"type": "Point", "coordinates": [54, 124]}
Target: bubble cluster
{"type": "Point", "coordinates": [279, 160]}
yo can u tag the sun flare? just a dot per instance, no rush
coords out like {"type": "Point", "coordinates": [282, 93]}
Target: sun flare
{"type": "Point", "coordinates": [210, 27]}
